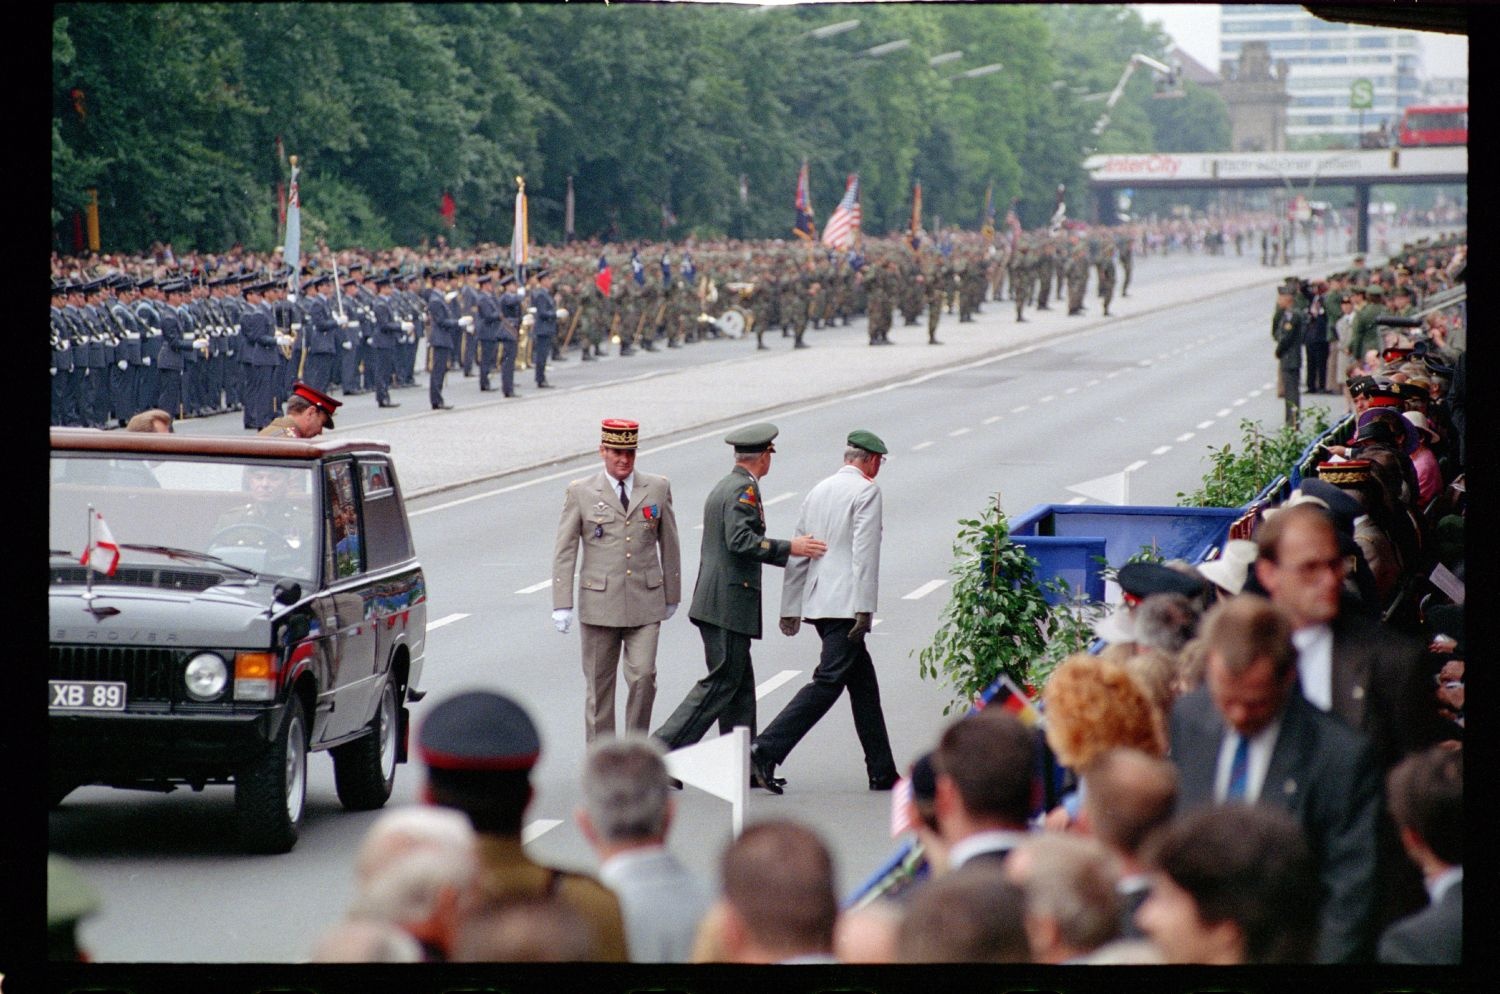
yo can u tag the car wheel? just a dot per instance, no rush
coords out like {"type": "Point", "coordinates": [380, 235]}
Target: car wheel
{"type": "Point", "coordinates": [364, 771]}
{"type": "Point", "coordinates": [270, 792]}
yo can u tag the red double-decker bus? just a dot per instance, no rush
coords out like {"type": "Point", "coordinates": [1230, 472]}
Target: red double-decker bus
{"type": "Point", "coordinates": [1436, 125]}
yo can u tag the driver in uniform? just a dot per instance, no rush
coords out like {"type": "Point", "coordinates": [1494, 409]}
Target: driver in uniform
{"type": "Point", "coordinates": [271, 510]}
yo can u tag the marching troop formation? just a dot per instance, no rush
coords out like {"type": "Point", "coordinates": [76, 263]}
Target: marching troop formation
{"type": "Point", "coordinates": [207, 334]}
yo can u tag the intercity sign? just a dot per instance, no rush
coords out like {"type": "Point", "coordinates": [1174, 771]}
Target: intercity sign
{"type": "Point", "coordinates": [1278, 168]}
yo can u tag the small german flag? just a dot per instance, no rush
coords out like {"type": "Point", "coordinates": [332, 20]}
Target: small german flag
{"type": "Point", "coordinates": [1010, 697]}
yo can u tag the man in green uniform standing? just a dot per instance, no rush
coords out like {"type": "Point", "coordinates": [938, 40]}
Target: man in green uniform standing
{"type": "Point", "coordinates": [726, 600]}
{"type": "Point", "coordinates": [933, 283]}
{"type": "Point", "coordinates": [1106, 268]}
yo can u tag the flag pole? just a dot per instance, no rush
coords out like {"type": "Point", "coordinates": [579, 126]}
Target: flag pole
{"type": "Point", "coordinates": [88, 571]}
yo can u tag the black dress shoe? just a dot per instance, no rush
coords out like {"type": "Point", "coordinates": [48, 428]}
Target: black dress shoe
{"type": "Point", "coordinates": [674, 783]}
{"type": "Point", "coordinates": [544, 386]}
{"type": "Point", "coordinates": [760, 773]}
{"type": "Point", "coordinates": [442, 407]}
{"type": "Point", "coordinates": [884, 783]}
{"type": "Point", "coordinates": [391, 403]}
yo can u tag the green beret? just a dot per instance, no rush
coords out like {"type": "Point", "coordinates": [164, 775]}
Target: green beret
{"type": "Point", "coordinates": [1375, 291]}
{"type": "Point", "coordinates": [867, 440]}
{"type": "Point", "coordinates": [753, 438]}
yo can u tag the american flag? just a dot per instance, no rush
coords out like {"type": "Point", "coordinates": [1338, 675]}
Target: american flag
{"type": "Point", "coordinates": [844, 221]}
{"type": "Point", "coordinates": [803, 227]}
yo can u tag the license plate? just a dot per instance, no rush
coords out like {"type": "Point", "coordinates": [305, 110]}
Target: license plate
{"type": "Point", "coordinates": [85, 695]}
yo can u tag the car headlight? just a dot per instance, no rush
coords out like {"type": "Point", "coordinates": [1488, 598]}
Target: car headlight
{"type": "Point", "coordinates": [205, 676]}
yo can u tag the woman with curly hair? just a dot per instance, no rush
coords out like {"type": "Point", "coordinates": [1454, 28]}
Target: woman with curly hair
{"type": "Point", "coordinates": [1092, 705]}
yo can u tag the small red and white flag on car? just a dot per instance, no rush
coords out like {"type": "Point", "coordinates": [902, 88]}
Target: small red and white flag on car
{"type": "Point", "coordinates": [101, 553]}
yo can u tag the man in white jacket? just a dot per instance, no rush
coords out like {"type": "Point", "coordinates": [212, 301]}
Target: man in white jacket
{"type": "Point", "coordinates": [837, 594]}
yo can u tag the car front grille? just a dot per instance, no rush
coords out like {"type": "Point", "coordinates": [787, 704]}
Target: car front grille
{"type": "Point", "coordinates": [148, 674]}
{"type": "Point", "coordinates": [140, 576]}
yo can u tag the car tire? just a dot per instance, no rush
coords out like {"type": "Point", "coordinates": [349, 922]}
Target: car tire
{"type": "Point", "coordinates": [364, 771]}
{"type": "Point", "coordinates": [270, 793]}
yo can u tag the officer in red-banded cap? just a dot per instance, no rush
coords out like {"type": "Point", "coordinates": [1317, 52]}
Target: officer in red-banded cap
{"type": "Point", "coordinates": [308, 412]}
{"type": "Point", "coordinates": [631, 577]}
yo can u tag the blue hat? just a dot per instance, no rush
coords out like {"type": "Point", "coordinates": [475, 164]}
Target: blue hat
{"type": "Point", "coordinates": [479, 731]}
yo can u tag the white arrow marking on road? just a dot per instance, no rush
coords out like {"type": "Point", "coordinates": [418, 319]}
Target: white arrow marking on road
{"type": "Point", "coordinates": [538, 828]}
{"type": "Point", "coordinates": [920, 446]}
{"type": "Point", "coordinates": [1205, 424]}
{"type": "Point", "coordinates": [535, 587]}
{"type": "Point", "coordinates": [1186, 436]}
{"type": "Point", "coordinates": [780, 497]}
{"type": "Point", "coordinates": [447, 620]}
{"type": "Point", "coordinates": [775, 682]}
{"type": "Point", "coordinates": [1077, 500]}
{"type": "Point", "coordinates": [1109, 489]}
{"type": "Point", "coordinates": [993, 418]}
{"type": "Point", "coordinates": [1161, 450]}
{"type": "Point", "coordinates": [959, 431]}
{"type": "Point", "coordinates": [924, 590]}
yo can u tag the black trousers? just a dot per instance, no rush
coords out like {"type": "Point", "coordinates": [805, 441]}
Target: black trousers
{"type": "Point", "coordinates": [488, 350]}
{"type": "Point", "coordinates": [380, 373]}
{"type": "Point", "coordinates": [440, 356]}
{"type": "Point", "coordinates": [1317, 366]}
{"type": "Point", "coordinates": [541, 351]}
{"type": "Point", "coordinates": [844, 663]}
{"type": "Point", "coordinates": [725, 695]}
{"type": "Point", "coordinates": [259, 397]}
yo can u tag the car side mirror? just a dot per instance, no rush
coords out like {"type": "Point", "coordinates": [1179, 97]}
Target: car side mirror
{"type": "Point", "coordinates": [287, 592]}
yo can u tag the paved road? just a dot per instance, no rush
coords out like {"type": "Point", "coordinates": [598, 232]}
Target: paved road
{"type": "Point", "coordinates": [1032, 412]}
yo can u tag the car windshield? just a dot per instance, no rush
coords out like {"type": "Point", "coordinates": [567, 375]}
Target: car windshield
{"type": "Point", "coordinates": [260, 516]}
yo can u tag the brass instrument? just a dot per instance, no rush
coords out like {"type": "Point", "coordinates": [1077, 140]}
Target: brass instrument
{"type": "Point", "coordinates": [568, 337]}
{"type": "Point", "coordinates": [524, 345]}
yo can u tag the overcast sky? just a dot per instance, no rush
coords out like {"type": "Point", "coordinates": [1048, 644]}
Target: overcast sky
{"type": "Point", "coordinates": [1195, 27]}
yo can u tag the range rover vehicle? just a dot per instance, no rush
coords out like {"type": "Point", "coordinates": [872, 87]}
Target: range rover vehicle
{"type": "Point", "coordinates": [219, 608]}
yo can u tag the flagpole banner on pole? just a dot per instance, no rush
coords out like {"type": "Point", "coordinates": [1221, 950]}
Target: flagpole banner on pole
{"type": "Point", "coordinates": [520, 240]}
{"type": "Point", "coordinates": [292, 248]}
{"type": "Point", "coordinates": [844, 221]}
{"type": "Point", "coordinates": [803, 226]}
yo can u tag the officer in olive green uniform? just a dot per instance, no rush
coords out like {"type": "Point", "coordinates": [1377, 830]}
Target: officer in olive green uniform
{"type": "Point", "coordinates": [1078, 279]}
{"type": "Point", "coordinates": [479, 748]}
{"type": "Point", "coordinates": [1106, 267]}
{"type": "Point", "coordinates": [726, 600]}
{"type": "Point", "coordinates": [933, 280]}
{"type": "Point", "coordinates": [913, 291]}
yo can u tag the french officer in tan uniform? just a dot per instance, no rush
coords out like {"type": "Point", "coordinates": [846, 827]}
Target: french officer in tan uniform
{"type": "Point", "coordinates": [630, 580]}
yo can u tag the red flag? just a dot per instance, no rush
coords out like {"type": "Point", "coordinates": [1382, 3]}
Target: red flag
{"type": "Point", "coordinates": [101, 553]}
{"type": "Point", "coordinates": [604, 278]}
{"type": "Point", "coordinates": [449, 209]}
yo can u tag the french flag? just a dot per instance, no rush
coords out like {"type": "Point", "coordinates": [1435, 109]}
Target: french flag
{"type": "Point", "coordinates": [604, 278]}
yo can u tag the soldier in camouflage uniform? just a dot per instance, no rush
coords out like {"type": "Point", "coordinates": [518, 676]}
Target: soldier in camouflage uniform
{"type": "Point", "coordinates": [1021, 267]}
{"type": "Point", "coordinates": [934, 281]}
{"type": "Point", "coordinates": [1078, 278]}
{"type": "Point", "coordinates": [913, 294]}
{"type": "Point", "coordinates": [795, 303]}
{"type": "Point", "coordinates": [1042, 272]}
{"type": "Point", "coordinates": [1125, 246]}
{"type": "Point", "coordinates": [1106, 267]}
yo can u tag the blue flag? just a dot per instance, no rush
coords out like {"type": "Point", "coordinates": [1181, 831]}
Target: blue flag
{"type": "Point", "coordinates": [636, 269]}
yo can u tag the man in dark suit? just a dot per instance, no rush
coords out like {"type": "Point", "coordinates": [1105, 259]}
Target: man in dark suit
{"type": "Point", "coordinates": [982, 798]}
{"type": "Point", "coordinates": [726, 600]}
{"type": "Point", "coordinates": [1249, 736]}
{"type": "Point", "coordinates": [1426, 797]}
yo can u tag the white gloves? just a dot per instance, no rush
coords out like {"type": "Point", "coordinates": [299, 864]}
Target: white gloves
{"type": "Point", "coordinates": [283, 340]}
{"type": "Point", "coordinates": [451, 295]}
{"type": "Point", "coordinates": [562, 619]}
{"type": "Point", "coordinates": [348, 345]}
{"type": "Point", "coordinates": [406, 326]}
{"type": "Point", "coordinates": [466, 321]}
{"type": "Point", "coordinates": [531, 310]}
{"type": "Point", "coordinates": [671, 610]}
{"type": "Point", "coordinates": [562, 312]}
{"type": "Point", "coordinates": [296, 325]}
{"type": "Point", "coordinates": [145, 360]}
{"type": "Point", "coordinates": [52, 370]}
{"type": "Point", "coordinates": [122, 364]}
{"type": "Point", "coordinates": [64, 344]}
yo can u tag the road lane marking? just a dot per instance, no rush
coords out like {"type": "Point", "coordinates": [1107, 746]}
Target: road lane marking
{"type": "Point", "coordinates": [1255, 393]}
{"type": "Point", "coordinates": [1092, 383]}
{"type": "Point", "coordinates": [775, 682]}
{"type": "Point", "coordinates": [538, 828]}
{"type": "Point", "coordinates": [993, 418]}
{"type": "Point", "coordinates": [445, 620]}
{"type": "Point", "coordinates": [535, 587]}
{"type": "Point", "coordinates": [1135, 466]}
{"type": "Point", "coordinates": [1048, 399]}
{"type": "Point", "coordinates": [1240, 402]}
{"type": "Point", "coordinates": [1110, 376]}
{"type": "Point", "coordinates": [1222, 412]}
{"type": "Point", "coordinates": [1018, 410]}
{"type": "Point", "coordinates": [959, 431]}
{"type": "Point", "coordinates": [924, 590]}
{"type": "Point", "coordinates": [1267, 386]}
{"type": "Point", "coordinates": [1161, 355]}
{"type": "Point", "coordinates": [1161, 450]}
{"type": "Point", "coordinates": [876, 622]}
{"type": "Point", "coordinates": [1071, 390]}
{"type": "Point", "coordinates": [1205, 424]}
{"type": "Point", "coordinates": [779, 498]}
{"type": "Point", "coordinates": [1185, 436]}
{"type": "Point", "coordinates": [920, 446]}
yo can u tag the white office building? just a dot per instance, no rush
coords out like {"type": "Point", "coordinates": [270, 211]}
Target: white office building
{"type": "Point", "coordinates": [1324, 58]}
